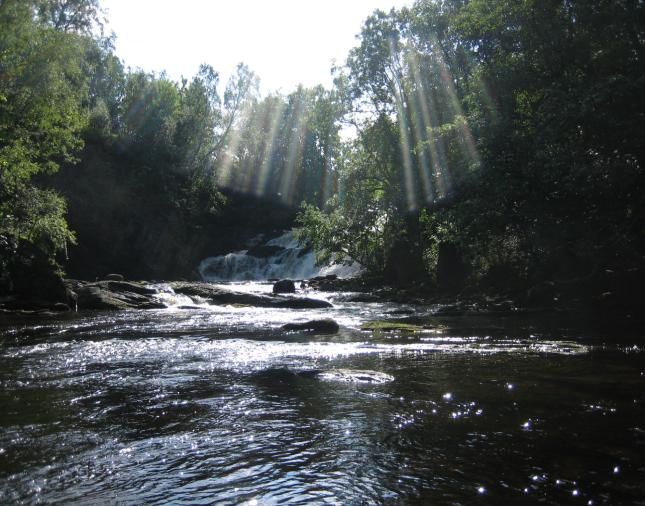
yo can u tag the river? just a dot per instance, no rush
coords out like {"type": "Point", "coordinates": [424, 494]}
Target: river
{"type": "Point", "coordinates": [219, 405]}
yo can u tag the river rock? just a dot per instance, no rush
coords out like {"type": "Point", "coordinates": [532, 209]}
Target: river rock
{"type": "Point", "coordinates": [355, 376]}
{"type": "Point", "coordinates": [115, 295]}
{"type": "Point", "coordinates": [284, 286]}
{"type": "Point", "coordinates": [218, 295]}
{"type": "Point", "coordinates": [324, 326]}
{"type": "Point", "coordinates": [301, 303]}
{"type": "Point", "coordinates": [114, 277]}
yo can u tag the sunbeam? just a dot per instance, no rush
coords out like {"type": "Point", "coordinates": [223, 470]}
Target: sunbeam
{"type": "Point", "coordinates": [329, 178]}
{"type": "Point", "coordinates": [449, 87]}
{"type": "Point", "coordinates": [289, 173]}
{"type": "Point", "coordinates": [422, 119]}
{"type": "Point", "coordinates": [135, 115]}
{"type": "Point", "coordinates": [427, 102]}
{"type": "Point", "coordinates": [408, 176]}
{"type": "Point", "coordinates": [275, 114]}
{"type": "Point", "coordinates": [226, 176]}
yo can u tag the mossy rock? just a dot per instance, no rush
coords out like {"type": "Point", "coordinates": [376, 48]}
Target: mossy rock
{"type": "Point", "coordinates": [392, 326]}
{"type": "Point", "coordinates": [323, 326]}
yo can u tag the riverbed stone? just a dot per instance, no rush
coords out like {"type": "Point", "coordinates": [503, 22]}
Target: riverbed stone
{"type": "Point", "coordinates": [355, 376]}
{"type": "Point", "coordinates": [116, 295]}
{"type": "Point", "coordinates": [284, 286]}
{"type": "Point", "coordinates": [218, 295]}
{"type": "Point", "coordinates": [322, 326]}
{"type": "Point", "coordinates": [391, 326]}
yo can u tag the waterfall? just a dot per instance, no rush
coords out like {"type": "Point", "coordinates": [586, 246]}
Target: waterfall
{"type": "Point", "coordinates": [279, 258]}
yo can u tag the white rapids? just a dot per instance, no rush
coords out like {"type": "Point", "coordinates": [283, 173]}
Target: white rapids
{"type": "Point", "coordinates": [290, 261]}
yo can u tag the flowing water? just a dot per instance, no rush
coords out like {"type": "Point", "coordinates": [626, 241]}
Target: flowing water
{"type": "Point", "coordinates": [218, 405]}
{"type": "Point", "coordinates": [289, 260]}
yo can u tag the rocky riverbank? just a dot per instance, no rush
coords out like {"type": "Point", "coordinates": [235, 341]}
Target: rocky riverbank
{"type": "Point", "coordinates": [115, 294]}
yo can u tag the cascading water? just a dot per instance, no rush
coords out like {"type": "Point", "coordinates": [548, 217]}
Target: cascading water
{"type": "Point", "coordinates": [279, 258]}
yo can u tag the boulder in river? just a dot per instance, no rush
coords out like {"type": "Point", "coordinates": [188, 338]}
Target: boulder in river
{"type": "Point", "coordinates": [284, 286]}
{"type": "Point", "coordinates": [323, 326]}
{"type": "Point", "coordinates": [115, 295]}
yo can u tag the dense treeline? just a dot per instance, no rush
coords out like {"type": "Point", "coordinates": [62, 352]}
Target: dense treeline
{"type": "Point", "coordinates": [109, 169]}
{"type": "Point", "coordinates": [487, 144]}
{"type": "Point", "coordinates": [500, 145]}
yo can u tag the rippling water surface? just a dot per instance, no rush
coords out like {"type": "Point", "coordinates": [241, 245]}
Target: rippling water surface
{"type": "Point", "coordinates": [207, 405]}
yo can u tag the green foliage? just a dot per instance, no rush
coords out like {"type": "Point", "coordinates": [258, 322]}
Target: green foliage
{"type": "Point", "coordinates": [287, 146]}
{"type": "Point", "coordinates": [69, 15]}
{"type": "Point", "coordinates": [511, 129]}
{"type": "Point", "coordinates": [42, 90]}
{"type": "Point", "coordinates": [364, 221]}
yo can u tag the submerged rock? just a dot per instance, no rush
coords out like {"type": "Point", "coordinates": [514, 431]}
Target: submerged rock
{"type": "Point", "coordinates": [355, 376]}
{"type": "Point", "coordinates": [281, 377]}
{"type": "Point", "coordinates": [400, 311]}
{"type": "Point", "coordinates": [360, 297]}
{"type": "Point", "coordinates": [324, 326]}
{"type": "Point", "coordinates": [391, 326]}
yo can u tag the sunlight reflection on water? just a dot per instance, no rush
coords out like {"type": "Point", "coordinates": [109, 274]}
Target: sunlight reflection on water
{"type": "Point", "coordinates": [218, 404]}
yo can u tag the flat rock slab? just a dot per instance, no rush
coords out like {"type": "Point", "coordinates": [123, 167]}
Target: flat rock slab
{"type": "Point", "coordinates": [114, 295]}
{"type": "Point", "coordinates": [217, 295]}
{"type": "Point", "coordinates": [391, 326]}
{"type": "Point", "coordinates": [117, 295]}
{"type": "Point", "coordinates": [355, 376]}
{"type": "Point", "coordinates": [323, 326]}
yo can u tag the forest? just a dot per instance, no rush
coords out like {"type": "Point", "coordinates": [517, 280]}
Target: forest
{"type": "Point", "coordinates": [466, 195]}
{"type": "Point", "coordinates": [466, 147]}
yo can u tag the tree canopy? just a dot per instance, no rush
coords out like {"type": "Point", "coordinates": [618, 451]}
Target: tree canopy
{"type": "Point", "coordinates": [511, 130]}
{"type": "Point", "coordinates": [504, 137]}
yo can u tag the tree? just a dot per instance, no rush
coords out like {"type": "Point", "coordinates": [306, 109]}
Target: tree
{"type": "Point", "coordinates": [79, 16]}
{"type": "Point", "coordinates": [287, 146]}
{"type": "Point", "coordinates": [513, 134]}
{"type": "Point", "coordinates": [41, 92]}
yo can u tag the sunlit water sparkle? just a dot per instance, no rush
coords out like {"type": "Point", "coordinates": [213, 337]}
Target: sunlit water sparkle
{"type": "Point", "coordinates": [220, 405]}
